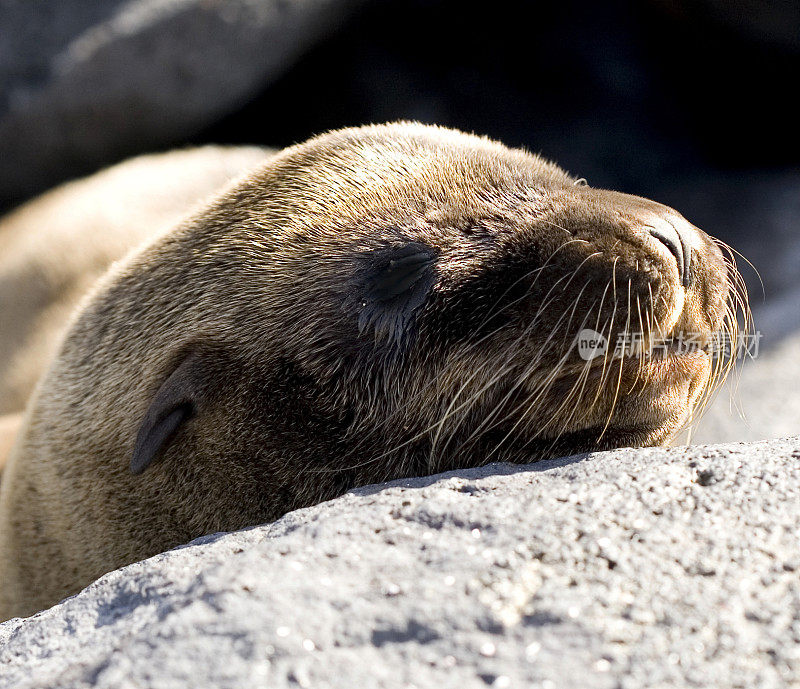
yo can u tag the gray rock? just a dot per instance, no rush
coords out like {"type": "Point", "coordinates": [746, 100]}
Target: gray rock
{"type": "Point", "coordinates": [86, 83]}
{"type": "Point", "coordinates": [631, 568]}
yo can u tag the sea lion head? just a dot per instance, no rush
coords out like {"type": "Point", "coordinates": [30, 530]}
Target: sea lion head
{"type": "Point", "coordinates": [409, 298]}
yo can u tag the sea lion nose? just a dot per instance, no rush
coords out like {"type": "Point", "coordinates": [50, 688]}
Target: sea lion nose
{"type": "Point", "coordinates": [676, 235]}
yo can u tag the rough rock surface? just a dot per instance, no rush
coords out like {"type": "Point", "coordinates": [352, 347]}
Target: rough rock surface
{"type": "Point", "coordinates": [631, 568]}
{"type": "Point", "coordinates": [86, 83]}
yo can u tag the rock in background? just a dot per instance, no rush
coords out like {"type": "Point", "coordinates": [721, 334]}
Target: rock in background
{"type": "Point", "coordinates": [83, 83]}
{"type": "Point", "coordinates": [631, 568]}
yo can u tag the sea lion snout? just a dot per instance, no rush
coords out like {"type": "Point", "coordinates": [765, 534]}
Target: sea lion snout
{"type": "Point", "coordinates": [684, 271]}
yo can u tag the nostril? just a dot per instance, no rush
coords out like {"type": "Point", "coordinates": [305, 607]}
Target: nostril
{"type": "Point", "coordinates": [679, 245]}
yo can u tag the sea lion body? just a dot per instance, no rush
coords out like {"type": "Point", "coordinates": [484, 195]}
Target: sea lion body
{"type": "Point", "coordinates": [53, 249]}
{"type": "Point", "coordinates": [376, 303]}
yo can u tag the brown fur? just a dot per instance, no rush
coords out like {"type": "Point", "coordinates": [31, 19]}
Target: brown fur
{"type": "Point", "coordinates": [53, 249]}
{"type": "Point", "coordinates": [9, 427]}
{"type": "Point", "coordinates": [302, 383]}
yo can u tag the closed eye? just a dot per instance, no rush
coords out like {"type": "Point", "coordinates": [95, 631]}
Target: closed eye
{"type": "Point", "coordinates": [388, 287]}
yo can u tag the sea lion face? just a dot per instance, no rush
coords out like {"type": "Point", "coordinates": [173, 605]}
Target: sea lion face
{"type": "Point", "coordinates": [454, 305]}
{"type": "Point", "coordinates": [424, 299]}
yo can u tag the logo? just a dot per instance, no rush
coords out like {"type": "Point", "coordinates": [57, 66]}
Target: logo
{"type": "Point", "coordinates": [591, 344]}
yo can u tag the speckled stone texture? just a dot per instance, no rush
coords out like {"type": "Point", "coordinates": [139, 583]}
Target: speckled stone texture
{"type": "Point", "coordinates": [632, 568]}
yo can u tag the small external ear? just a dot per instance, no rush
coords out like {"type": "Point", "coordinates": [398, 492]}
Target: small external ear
{"type": "Point", "coordinates": [175, 403]}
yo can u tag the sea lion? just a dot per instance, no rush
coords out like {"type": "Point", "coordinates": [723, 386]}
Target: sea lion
{"type": "Point", "coordinates": [53, 249]}
{"type": "Point", "coordinates": [9, 426]}
{"type": "Point", "coordinates": [375, 303]}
